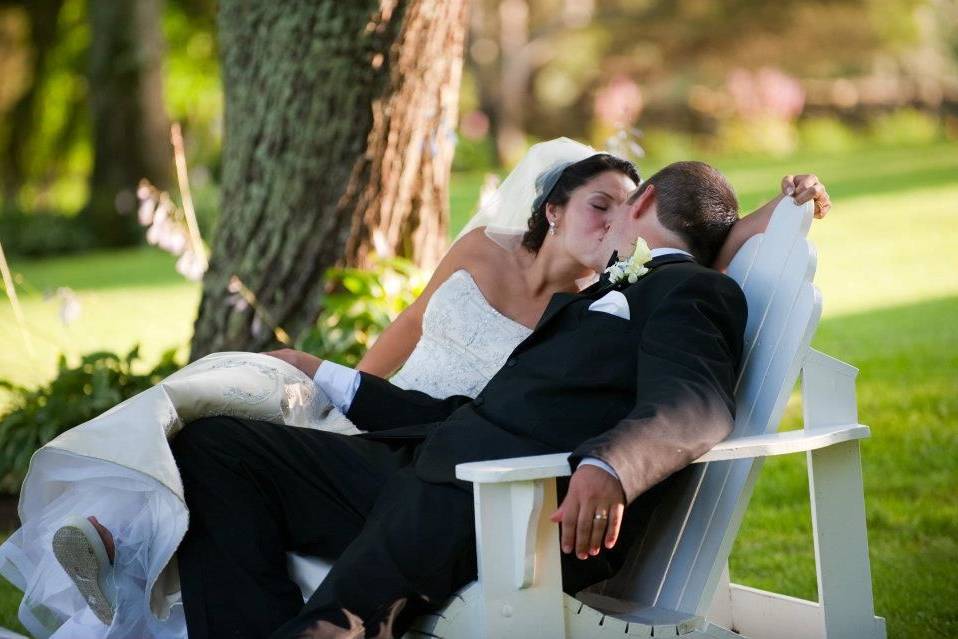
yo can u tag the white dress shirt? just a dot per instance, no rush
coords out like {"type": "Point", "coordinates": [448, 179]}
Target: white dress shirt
{"type": "Point", "coordinates": [340, 383]}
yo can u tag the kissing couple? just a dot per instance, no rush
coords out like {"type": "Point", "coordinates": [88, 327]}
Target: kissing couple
{"type": "Point", "coordinates": [503, 355]}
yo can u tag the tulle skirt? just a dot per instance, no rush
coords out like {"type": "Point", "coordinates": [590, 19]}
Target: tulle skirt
{"type": "Point", "coordinates": [119, 468]}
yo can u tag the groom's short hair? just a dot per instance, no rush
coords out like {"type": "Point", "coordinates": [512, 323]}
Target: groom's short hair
{"type": "Point", "coordinates": [697, 203]}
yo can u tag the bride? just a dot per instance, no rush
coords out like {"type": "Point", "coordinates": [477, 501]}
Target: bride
{"type": "Point", "coordinates": [483, 299]}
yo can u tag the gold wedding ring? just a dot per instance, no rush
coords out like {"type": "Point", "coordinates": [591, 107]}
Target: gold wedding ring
{"type": "Point", "coordinates": [601, 516]}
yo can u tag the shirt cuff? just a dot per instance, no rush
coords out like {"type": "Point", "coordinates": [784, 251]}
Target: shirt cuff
{"type": "Point", "coordinates": [339, 382]}
{"type": "Point", "coordinates": [595, 461]}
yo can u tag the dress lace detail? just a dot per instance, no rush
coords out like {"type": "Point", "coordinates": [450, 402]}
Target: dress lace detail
{"type": "Point", "coordinates": [464, 341]}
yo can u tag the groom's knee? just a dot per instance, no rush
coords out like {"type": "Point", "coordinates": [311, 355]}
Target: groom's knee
{"type": "Point", "coordinates": [198, 438]}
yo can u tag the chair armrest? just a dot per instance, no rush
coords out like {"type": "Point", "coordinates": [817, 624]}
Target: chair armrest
{"type": "Point", "coordinates": [515, 469]}
{"type": "Point", "coordinates": [792, 441]}
{"type": "Point", "coordinates": [557, 465]}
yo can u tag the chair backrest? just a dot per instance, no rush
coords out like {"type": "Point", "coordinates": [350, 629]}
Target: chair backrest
{"type": "Point", "coordinates": [679, 561]}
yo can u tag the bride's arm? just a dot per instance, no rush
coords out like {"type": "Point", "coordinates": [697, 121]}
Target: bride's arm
{"type": "Point", "coordinates": [395, 343]}
{"type": "Point", "coordinates": [802, 187]}
{"type": "Point", "coordinates": [752, 224]}
{"type": "Point", "coordinates": [398, 340]}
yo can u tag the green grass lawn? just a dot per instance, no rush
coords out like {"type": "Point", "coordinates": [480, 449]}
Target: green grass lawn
{"type": "Point", "coordinates": [908, 361]}
{"type": "Point", "coordinates": [888, 272]}
{"type": "Point", "coordinates": [127, 296]}
{"type": "Point", "coordinates": [9, 602]}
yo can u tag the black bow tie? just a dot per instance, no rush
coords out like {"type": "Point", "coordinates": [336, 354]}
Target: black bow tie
{"type": "Point", "coordinates": [613, 259]}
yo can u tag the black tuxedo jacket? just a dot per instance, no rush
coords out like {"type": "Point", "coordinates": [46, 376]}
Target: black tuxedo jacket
{"type": "Point", "coordinates": [647, 394]}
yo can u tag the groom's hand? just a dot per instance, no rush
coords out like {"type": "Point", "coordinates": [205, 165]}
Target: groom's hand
{"type": "Point", "coordinates": [303, 361]}
{"type": "Point", "coordinates": [807, 187]}
{"type": "Point", "coordinates": [591, 491]}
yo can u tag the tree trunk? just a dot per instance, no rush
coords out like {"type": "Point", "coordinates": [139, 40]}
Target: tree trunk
{"type": "Point", "coordinates": [403, 209]}
{"type": "Point", "coordinates": [338, 138]}
{"type": "Point", "coordinates": [43, 18]}
{"type": "Point", "coordinates": [130, 125]}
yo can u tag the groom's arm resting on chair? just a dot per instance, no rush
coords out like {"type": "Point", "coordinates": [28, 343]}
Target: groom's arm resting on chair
{"type": "Point", "coordinates": [688, 361]}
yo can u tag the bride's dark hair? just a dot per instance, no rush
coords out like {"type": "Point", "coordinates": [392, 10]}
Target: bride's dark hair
{"type": "Point", "coordinates": [574, 176]}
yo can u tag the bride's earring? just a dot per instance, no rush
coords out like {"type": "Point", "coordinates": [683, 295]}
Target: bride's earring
{"type": "Point", "coordinates": [552, 227]}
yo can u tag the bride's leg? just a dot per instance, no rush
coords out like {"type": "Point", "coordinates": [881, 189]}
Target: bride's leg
{"type": "Point", "coordinates": [109, 544]}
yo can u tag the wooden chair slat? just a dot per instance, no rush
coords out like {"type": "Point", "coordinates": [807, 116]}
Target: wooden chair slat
{"type": "Point", "coordinates": [678, 562]}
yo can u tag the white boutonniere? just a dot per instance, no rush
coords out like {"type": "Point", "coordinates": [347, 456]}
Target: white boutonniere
{"type": "Point", "coordinates": [634, 267]}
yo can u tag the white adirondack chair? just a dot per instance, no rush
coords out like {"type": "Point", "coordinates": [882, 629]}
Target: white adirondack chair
{"type": "Point", "coordinates": [675, 582]}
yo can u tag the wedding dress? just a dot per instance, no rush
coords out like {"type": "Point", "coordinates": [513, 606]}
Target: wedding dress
{"type": "Point", "coordinates": [118, 466]}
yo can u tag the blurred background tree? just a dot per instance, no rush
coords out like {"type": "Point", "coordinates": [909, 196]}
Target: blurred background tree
{"type": "Point", "coordinates": [71, 157]}
{"type": "Point", "coordinates": [130, 124]}
{"type": "Point", "coordinates": [543, 68]}
{"type": "Point", "coordinates": [740, 76]}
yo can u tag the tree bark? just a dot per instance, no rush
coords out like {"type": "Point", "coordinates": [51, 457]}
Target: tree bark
{"type": "Point", "coordinates": [338, 139]}
{"type": "Point", "coordinates": [130, 126]}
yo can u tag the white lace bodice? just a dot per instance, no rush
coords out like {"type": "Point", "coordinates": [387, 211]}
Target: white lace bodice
{"type": "Point", "coordinates": [464, 341]}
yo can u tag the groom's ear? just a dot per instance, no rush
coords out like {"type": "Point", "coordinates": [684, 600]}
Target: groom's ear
{"type": "Point", "coordinates": [643, 201]}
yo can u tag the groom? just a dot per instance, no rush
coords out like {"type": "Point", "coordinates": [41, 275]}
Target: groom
{"type": "Point", "coordinates": [635, 378]}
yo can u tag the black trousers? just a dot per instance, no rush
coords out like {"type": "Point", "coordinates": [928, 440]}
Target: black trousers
{"type": "Point", "coordinates": [257, 490]}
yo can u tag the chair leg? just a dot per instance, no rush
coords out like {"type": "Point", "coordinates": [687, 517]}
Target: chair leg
{"type": "Point", "coordinates": [838, 503]}
{"type": "Point", "coordinates": [720, 612]}
{"type": "Point", "coordinates": [519, 563]}
{"type": "Point", "coordinates": [841, 543]}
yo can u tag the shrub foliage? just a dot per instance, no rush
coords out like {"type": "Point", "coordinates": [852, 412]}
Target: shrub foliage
{"type": "Point", "coordinates": [76, 394]}
{"type": "Point", "coordinates": [362, 304]}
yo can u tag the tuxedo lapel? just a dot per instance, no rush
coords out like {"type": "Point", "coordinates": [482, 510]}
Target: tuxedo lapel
{"type": "Point", "coordinates": [558, 302]}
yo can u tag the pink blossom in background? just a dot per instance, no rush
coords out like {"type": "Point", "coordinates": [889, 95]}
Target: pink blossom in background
{"type": "Point", "coordinates": [191, 266]}
{"type": "Point", "coordinates": [619, 102]}
{"type": "Point", "coordinates": [167, 229]}
{"type": "Point", "coordinates": [766, 92]}
{"type": "Point", "coordinates": [474, 125]}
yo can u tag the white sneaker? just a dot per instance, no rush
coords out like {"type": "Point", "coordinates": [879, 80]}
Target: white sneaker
{"type": "Point", "coordinates": [79, 549]}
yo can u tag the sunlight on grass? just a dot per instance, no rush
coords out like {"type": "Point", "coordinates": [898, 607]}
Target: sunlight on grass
{"type": "Point", "coordinates": [140, 299]}
{"type": "Point", "coordinates": [888, 272]}
{"type": "Point", "coordinates": [889, 239]}
{"type": "Point", "coordinates": [879, 251]}
{"type": "Point", "coordinates": [908, 357]}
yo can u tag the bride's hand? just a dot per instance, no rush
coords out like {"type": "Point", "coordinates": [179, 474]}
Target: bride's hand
{"type": "Point", "coordinates": [807, 187]}
{"type": "Point", "coordinates": [305, 362]}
